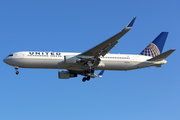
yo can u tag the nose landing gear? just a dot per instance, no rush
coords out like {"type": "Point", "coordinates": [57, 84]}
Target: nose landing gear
{"type": "Point", "coordinates": [16, 69]}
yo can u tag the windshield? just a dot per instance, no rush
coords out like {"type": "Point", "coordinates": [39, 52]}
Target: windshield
{"type": "Point", "coordinates": [10, 55]}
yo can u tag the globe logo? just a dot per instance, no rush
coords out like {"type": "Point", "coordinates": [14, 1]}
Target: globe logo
{"type": "Point", "coordinates": [151, 50]}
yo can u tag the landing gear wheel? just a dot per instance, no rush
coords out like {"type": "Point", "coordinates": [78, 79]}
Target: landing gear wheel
{"type": "Point", "coordinates": [16, 69]}
{"type": "Point", "coordinates": [17, 72]}
{"type": "Point", "coordinates": [88, 78]}
{"type": "Point", "coordinates": [84, 79]}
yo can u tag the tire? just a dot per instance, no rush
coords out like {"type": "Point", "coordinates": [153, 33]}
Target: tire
{"type": "Point", "coordinates": [84, 79]}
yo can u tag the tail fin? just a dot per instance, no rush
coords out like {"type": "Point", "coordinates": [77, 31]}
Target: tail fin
{"type": "Point", "coordinates": [155, 48]}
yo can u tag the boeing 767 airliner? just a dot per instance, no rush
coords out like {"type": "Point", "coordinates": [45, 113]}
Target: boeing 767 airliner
{"type": "Point", "coordinates": [96, 58]}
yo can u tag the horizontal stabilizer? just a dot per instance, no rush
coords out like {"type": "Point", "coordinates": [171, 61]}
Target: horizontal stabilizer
{"type": "Point", "coordinates": [94, 75]}
{"type": "Point", "coordinates": [101, 73]}
{"type": "Point", "coordinates": [162, 56]}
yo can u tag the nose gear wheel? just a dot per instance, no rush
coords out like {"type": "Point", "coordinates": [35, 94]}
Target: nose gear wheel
{"type": "Point", "coordinates": [16, 69]}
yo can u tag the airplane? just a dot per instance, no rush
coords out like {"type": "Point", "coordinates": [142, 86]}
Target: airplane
{"type": "Point", "coordinates": [96, 58]}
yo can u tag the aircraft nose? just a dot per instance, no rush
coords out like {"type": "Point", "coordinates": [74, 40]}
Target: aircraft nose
{"type": "Point", "coordinates": [5, 60]}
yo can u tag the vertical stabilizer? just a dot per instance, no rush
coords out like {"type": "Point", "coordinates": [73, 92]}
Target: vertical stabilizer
{"type": "Point", "coordinates": [155, 48]}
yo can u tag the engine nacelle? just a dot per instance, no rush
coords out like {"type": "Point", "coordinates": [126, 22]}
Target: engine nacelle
{"type": "Point", "coordinates": [71, 59]}
{"type": "Point", "coordinates": [65, 75]}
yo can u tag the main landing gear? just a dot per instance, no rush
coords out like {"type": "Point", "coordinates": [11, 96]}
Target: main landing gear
{"type": "Point", "coordinates": [16, 69]}
{"type": "Point", "coordinates": [89, 72]}
{"type": "Point", "coordinates": [87, 78]}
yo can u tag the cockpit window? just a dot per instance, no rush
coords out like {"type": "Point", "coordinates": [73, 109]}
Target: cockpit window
{"type": "Point", "coordinates": [10, 55]}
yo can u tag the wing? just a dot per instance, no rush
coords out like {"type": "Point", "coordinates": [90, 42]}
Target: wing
{"type": "Point", "coordinates": [103, 48]}
{"type": "Point", "coordinates": [85, 63]}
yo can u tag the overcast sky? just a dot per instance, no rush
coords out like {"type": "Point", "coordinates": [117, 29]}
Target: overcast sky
{"type": "Point", "coordinates": [76, 26]}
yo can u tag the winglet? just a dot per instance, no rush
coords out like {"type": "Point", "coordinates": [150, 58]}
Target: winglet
{"type": "Point", "coordinates": [132, 22]}
{"type": "Point", "coordinates": [101, 73]}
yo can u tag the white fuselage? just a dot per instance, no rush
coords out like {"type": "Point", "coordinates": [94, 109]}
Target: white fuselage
{"type": "Point", "coordinates": [55, 60]}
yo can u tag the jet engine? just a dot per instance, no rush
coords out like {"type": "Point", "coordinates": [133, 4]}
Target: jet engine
{"type": "Point", "coordinates": [65, 75]}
